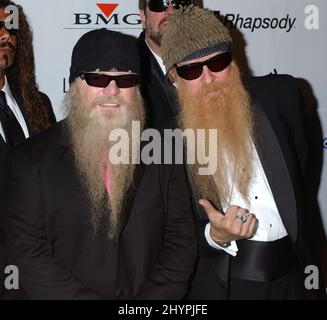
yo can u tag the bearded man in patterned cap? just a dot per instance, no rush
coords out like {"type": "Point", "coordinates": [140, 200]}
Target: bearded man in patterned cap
{"type": "Point", "coordinates": [249, 212]}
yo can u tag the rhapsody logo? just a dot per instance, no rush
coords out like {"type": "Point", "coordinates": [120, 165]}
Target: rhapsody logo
{"type": "Point", "coordinates": [256, 23]}
{"type": "Point", "coordinates": [107, 17]}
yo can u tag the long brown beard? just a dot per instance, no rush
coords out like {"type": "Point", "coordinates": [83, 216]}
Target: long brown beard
{"type": "Point", "coordinates": [89, 135]}
{"type": "Point", "coordinates": [230, 113]}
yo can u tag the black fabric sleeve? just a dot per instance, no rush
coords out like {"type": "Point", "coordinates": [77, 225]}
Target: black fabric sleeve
{"type": "Point", "coordinates": [42, 274]}
{"type": "Point", "coordinates": [169, 277]}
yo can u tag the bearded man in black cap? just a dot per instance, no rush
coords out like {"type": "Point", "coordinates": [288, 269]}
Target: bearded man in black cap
{"type": "Point", "coordinates": [250, 210]}
{"type": "Point", "coordinates": [82, 227]}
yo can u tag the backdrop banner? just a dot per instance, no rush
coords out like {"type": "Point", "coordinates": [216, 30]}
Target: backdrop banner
{"type": "Point", "coordinates": [286, 37]}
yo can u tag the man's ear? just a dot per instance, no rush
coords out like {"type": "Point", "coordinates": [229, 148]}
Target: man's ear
{"type": "Point", "coordinates": [172, 75]}
{"type": "Point", "coordinates": [143, 18]}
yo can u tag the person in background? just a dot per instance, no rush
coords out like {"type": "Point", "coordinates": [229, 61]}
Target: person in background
{"type": "Point", "coordinates": [24, 110]}
{"type": "Point", "coordinates": [159, 94]}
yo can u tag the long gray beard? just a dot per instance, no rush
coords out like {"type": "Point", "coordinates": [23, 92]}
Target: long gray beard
{"type": "Point", "coordinates": [90, 143]}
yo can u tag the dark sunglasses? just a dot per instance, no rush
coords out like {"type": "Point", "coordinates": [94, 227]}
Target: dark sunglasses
{"type": "Point", "coordinates": [11, 31]}
{"type": "Point", "coordinates": [101, 80]}
{"type": "Point", "coordinates": [162, 5]}
{"type": "Point", "coordinates": [194, 70]}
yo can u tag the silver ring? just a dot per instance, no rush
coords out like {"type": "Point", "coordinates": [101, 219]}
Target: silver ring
{"type": "Point", "coordinates": [244, 217]}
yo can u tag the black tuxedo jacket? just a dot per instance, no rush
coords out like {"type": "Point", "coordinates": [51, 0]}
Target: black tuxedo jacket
{"type": "Point", "coordinates": [3, 178]}
{"type": "Point", "coordinates": [282, 147]}
{"type": "Point", "coordinates": [159, 94]}
{"type": "Point", "coordinates": [3, 147]}
{"type": "Point", "coordinates": [53, 242]}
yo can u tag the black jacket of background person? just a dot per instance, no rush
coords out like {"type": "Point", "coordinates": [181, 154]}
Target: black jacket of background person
{"type": "Point", "coordinates": [281, 143]}
{"type": "Point", "coordinates": [4, 150]}
{"type": "Point", "coordinates": [53, 241]}
{"type": "Point", "coordinates": [158, 93]}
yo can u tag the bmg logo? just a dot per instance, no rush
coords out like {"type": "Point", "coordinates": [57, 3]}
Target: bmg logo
{"type": "Point", "coordinates": [108, 17]}
{"type": "Point", "coordinates": [324, 143]}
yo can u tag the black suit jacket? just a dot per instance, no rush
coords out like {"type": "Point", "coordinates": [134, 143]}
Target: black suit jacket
{"type": "Point", "coordinates": [282, 147]}
{"type": "Point", "coordinates": [159, 94]}
{"type": "Point", "coordinates": [3, 147]}
{"type": "Point", "coordinates": [4, 151]}
{"type": "Point", "coordinates": [53, 241]}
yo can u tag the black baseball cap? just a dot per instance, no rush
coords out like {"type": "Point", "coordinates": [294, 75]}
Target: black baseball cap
{"type": "Point", "coordinates": [104, 50]}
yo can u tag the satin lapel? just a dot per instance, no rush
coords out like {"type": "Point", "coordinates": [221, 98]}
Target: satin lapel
{"type": "Point", "coordinates": [66, 156]}
{"type": "Point", "coordinates": [167, 87]}
{"type": "Point", "coordinates": [199, 212]}
{"type": "Point", "coordinates": [128, 200]}
{"type": "Point", "coordinates": [22, 109]}
{"type": "Point", "coordinates": [275, 167]}
{"type": "Point", "coordinates": [2, 142]}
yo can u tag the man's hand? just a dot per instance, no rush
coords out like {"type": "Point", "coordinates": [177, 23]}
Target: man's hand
{"type": "Point", "coordinates": [229, 227]}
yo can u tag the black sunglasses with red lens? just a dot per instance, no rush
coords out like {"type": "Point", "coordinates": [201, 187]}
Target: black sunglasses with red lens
{"type": "Point", "coordinates": [215, 64]}
{"type": "Point", "coordinates": [162, 5]}
{"type": "Point", "coordinates": [102, 80]}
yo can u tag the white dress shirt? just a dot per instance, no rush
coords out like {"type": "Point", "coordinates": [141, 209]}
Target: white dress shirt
{"type": "Point", "coordinates": [262, 205]}
{"type": "Point", "coordinates": [15, 109]}
{"type": "Point", "coordinates": [159, 59]}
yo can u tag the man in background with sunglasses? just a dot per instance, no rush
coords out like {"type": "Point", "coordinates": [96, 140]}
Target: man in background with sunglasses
{"type": "Point", "coordinates": [24, 110]}
{"type": "Point", "coordinates": [250, 212]}
{"type": "Point", "coordinates": [158, 92]}
{"type": "Point", "coordinates": [82, 227]}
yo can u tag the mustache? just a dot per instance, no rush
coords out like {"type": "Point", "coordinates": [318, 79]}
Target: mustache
{"type": "Point", "coordinates": [7, 44]}
{"type": "Point", "coordinates": [107, 99]}
{"type": "Point", "coordinates": [209, 88]}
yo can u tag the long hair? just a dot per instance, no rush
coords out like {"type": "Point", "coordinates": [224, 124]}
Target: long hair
{"type": "Point", "coordinates": [142, 4]}
{"type": "Point", "coordinates": [21, 75]}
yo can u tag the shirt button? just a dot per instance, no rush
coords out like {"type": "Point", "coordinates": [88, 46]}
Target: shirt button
{"type": "Point", "coordinates": [270, 225]}
{"type": "Point", "coordinates": [256, 198]}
